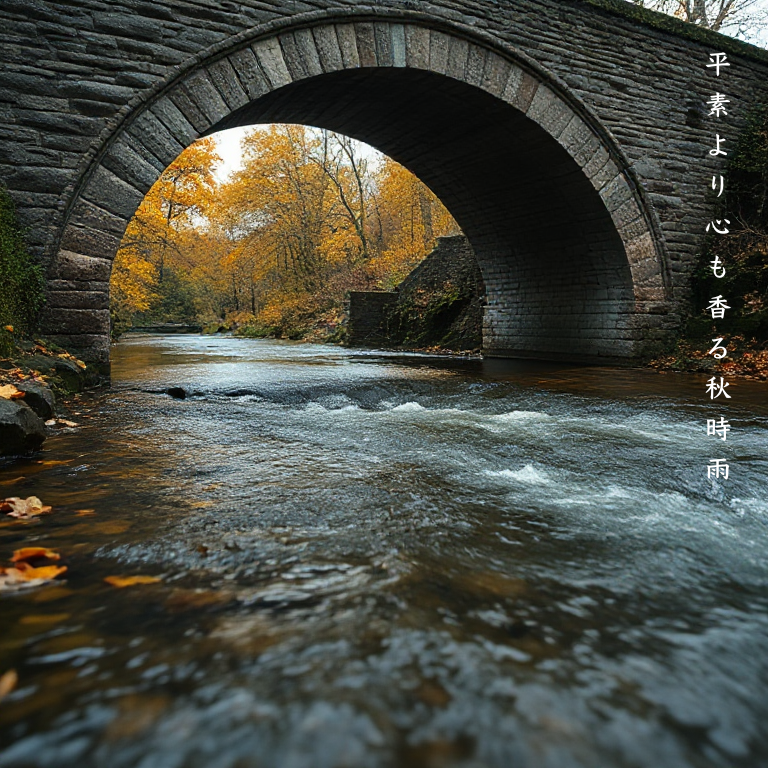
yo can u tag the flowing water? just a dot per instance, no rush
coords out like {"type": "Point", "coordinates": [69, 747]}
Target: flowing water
{"type": "Point", "coordinates": [391, 561]}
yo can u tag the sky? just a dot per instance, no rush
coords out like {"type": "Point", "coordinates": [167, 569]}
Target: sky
{"type": "Point", "coordinates": [228, 144]}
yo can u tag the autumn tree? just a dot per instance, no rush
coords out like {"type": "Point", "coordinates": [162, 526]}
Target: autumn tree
{"type": "Point", "coordinates": [165, 240]}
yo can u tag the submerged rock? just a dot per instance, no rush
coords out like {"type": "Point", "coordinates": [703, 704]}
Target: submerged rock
{"type": "Point", "coordinates": [178, 392]}
{"type": "Point", "coordinates": [21, 429]}
{"type": "Point", "coordinates": [39, 398]}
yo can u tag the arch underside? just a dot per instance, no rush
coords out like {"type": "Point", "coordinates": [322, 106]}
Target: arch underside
{"type": "Point", "coordinates": [570, 266]}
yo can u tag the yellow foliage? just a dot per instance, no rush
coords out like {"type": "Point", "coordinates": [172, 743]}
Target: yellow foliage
{"type": "Point", "coordinates": [306, 218]}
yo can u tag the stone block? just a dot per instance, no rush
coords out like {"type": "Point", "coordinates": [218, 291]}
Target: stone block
{"type": "Point", "coordinates": [76, 321]}
{"type": "Point", "coordinates": [95, 91]}
{"type": "Point", "coordinates": [42, 179]}
{"type": "Point", "coordinates": [520, 90]}
{"type": "Point", "coordinates": [75, 266]}
{"type": "Point", "coordinates": [270, 58]}
{"type": "Point", "coordinates": [223, 76]}
{"type": "Point", "coordinates": [293, 59]}
{"type": "Point", "coordinates": [458, 52]}
{"type": "Point", "coordinates": [439, 44]}
{"type": "Point", "coordinates": [148, 132]}
{"type": "Point", "coordinates": [383, 41]}
{"type": "Point", "coordinates": [90, 242]}
{"type": "Point", "coordinates": [417, 47]}
{"type": "Point", "coordinates": [549, 111]}
{"type": "Point", "coordinates": [496, 74]}
{"type": "Point", "coordinates": [107, 191]}
{"type": "Point", "coordinates": [249, 72]}
{"type": "Point", "coordinates": [366, 44]}
{"type": "Point", "coordinates": [328, 50]}
{"type": "Point", "coordinates": [181, 98]}
{"type": "Point", "coordinates": [476, 61]}
{"type": "Point", "coordinates": [305, 45]}
{"type": "Point", "coordinates": [78, 299]}
{"type": "Point", "coordinates": [205, 95]}
{"type": "Point", "coordinates": [345, 34]}
{"type": "Point", "coordinates": [175, 121]}
{"type": "Point", "coordinates": [89, 347]}
{"type": "Point", "coordinates": [128, 165]}
{"type": "Point", "coordinates": [399, 57]}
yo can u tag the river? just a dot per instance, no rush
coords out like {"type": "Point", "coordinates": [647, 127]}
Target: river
{"type": "Point", "coordinates": [391, 561]}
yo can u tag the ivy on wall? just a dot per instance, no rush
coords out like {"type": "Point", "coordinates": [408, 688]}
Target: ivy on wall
{"type": "Point", "coordinates": [22, 284]}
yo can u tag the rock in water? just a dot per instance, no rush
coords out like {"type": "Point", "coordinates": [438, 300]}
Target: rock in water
{"type": "Point", "coordinates": [39, 398]}
{"type": "Point", "coordinates": [21, 429]}
{"type": "Point", "coordinates": [176, 392]}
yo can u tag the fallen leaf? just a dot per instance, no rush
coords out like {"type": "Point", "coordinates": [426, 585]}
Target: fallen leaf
{"type": "Point", "coordinates": [34, 619]}
{"type": "Point", "coordinates": [8, 683]}
{"type": "Point", "coordinates": [23, 508]}
{"type": "Point", "coordinates": [13, 481]}
{"type": "Point", "coordinates": [85, 512]}
{"type": "Point", "coordinates": [8, 328]}
{"type": "Point", "coordinates": [129, 581]}
{"type": "Point", "coordinates": [30, 553]}
{"type": "Point", "coordinates": [50, 423]}
{"type": "Point", "coordinates": [46, 572]}
{"type": "Point", "coordinates": [25, 576]}
{"type": "Point", "coordinates": [67, 423]}
{"type": "Point", "coordinates": [9, 392]}
{"type": "Point", "coordinates": [54, 462]}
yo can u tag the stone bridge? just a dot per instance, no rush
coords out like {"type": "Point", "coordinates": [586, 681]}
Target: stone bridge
{"type": "Point", "coordinates": [569, 138]}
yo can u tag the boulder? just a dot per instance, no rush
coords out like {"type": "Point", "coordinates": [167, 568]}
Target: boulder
{"type": "Point", "coordinates": [71, 376]}
{"type": "Point", "coordinates": [21, 429]}
{"type": "Point", "coordinates": [39, 398]}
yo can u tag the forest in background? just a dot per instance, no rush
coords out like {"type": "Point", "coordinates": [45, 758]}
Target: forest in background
{"type": "Point", "coordinates": [272, 249]}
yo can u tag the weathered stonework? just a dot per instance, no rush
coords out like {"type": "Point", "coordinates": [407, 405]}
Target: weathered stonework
{"type": "Point", "coordinates": [568, 137]}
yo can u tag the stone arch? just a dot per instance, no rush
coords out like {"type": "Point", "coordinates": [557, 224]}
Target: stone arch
{"type": "Point", "coordinates": [566, 242]}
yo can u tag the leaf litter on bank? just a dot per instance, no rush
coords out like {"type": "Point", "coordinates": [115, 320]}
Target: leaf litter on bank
{"type": "Point", "coordinates": [10, 392]}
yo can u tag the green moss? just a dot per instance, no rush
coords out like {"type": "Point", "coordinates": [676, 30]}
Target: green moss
{"type": "Point", "coordinates": [22, 285]}
{"type": "Point", "coordinates": [257, 331]}
{"type": "Point", "coordinates": [667, 23]}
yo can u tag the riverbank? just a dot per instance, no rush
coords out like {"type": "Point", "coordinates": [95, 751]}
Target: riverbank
{"type": "Point", "coordinates": [746, 359]}
{"type": "Point", "coordinates": [38, 386]}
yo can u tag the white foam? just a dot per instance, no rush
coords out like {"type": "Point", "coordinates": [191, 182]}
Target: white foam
{"type": "Point", "coordinates": [520, 416]}
{"type": "Point", "coordinates": [528, 475]}
{"type": "Point", "coordinates": [409, 407]}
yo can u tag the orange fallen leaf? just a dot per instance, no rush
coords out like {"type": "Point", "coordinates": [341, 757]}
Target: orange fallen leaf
{"type": "Point", "coordinates": [67, 423]}
{"type": "Point", "coordinates": [8, 683]}
{"type": "Point", "coordinates": [23, 508]}
{"type": "Point", "coordinates": [46, 572]}
{"type": "Point", "coordinates": [9, 392]}
{"type": "Point", "coordinates": [29, 553]}
{"type": "Point", "coordinates": [85, 512]}
{"type": "Point", "coordinates": [129, 581]}
{"type": "Point", "coordinates": [8, 328]}
{"type": "Point", "coordinates": [24, 576]}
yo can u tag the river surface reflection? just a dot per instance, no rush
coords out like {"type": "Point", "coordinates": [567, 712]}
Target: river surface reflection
{"type": "Point", "coordinates": [391, 561]}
